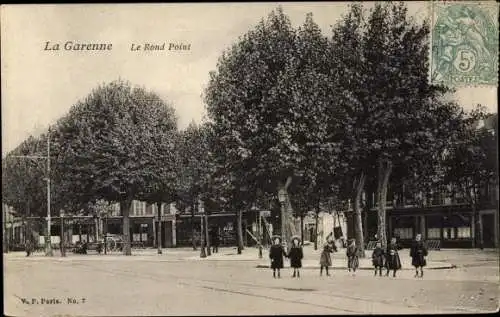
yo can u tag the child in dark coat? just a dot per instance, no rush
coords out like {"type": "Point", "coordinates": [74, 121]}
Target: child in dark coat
{"type": "Point", "coordinates": [393, 261]}
{"type": "Point", "coordinates": [296, 254]}
{"type": "Point", "coordinates": [28, 247]}
{"type": "Point", "coordinates": [378, 257]}
{"type": "Point", "coordinates": [325, 260]}
{"type": "Point", "coordinates": [352, 256]}
{"type": "Point", "coordinates": [276, 254]}
{"type": "Point", "coordinates": [418, 252]}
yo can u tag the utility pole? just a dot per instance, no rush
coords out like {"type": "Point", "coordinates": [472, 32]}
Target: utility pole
{"type": "Point", "coordinates": [48, 245]}
{"type": "Point", "coordinates": [49, 242]}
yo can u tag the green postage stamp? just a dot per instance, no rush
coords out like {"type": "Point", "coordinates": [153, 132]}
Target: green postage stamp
{"type": "Point", "coordinates": [464, 43]}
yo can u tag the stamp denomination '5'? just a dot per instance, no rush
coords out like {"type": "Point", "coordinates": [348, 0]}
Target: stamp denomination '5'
{"type": "Point", "coordinates": [464, 43]}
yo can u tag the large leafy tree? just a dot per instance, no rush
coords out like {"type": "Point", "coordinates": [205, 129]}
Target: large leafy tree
{"type": "Point", "coordinates": [23, 185]}
{"type": "Point", "coordinates": [471, 164]}
{"type": "Point", "coordinates": [163, 181]}
{"type": "Point", "coordinates": [195, 168]}
{"type": "Point", "coordinates": [108, 145]}
{"type": "Point", "coordinates": [24, 181]}
{"type": "Point", "coordinates": [398, 119]}
{"type": "Point", "coordinates": [269, 120]}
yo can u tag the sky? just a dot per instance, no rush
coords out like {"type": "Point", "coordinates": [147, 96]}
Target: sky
{"type": "Point", "coordinates": [39, 86]}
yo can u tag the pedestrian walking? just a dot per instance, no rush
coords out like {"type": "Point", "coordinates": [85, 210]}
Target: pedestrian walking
{"type": "Point", "coordinates": [352, 253]}
{"type": "Point", "coordinates": [418, 252]}
{"type": "Point", "coordinates": [325, 260]}
{"type": "Point", "coordinates": [393, 262]}
{"type": "Point", "coordinates": [296, 254]}
{"type": "Point", "coordinates": [276, 254]}
{"type": "Point", "coordinates": [378, 257]}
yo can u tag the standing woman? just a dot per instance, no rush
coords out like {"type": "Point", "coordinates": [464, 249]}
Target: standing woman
{"type": "Point", "coordinates": [393, 261]}
{"type": "Point", "coordinates": [276, 254]}
{"type": "Point", "coordinates": [296, 254]}
{"type": "Point", "coordinates": [352, 253]}
{"type": "Point", "coordinates": [418, 252]}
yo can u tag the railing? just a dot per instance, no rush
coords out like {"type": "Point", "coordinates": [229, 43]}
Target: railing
{"type": "Point", "coordinates": [433, 244]}
{"type": "Point", "coordinates": [371, 245]}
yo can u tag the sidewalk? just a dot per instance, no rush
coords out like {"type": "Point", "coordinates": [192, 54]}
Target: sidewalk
{"type": "Point", "coordinates": [311, 259]}
{"type": "Point", "coordinates": [443, 259]}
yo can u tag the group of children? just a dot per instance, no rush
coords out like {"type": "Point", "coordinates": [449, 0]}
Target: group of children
{"type": "Point", "coordinates": [388, 258]}
{"type": "Point", "coordinates": [277, 252]}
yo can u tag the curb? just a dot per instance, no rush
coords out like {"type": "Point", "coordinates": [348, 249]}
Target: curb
{"type": "Point", "coordinates": [450, 267]}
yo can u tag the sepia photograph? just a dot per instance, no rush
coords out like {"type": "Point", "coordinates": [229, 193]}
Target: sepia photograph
{"type": "Point", "coordinates": [254, 158]}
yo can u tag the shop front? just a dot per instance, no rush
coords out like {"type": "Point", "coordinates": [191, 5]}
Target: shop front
{"type": "Point", "coordinates": [452, 226]}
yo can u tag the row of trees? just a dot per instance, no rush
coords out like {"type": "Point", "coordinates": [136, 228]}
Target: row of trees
{"type": "Point", "coordinates": [321, 116]}
{"type": "Point", "coordinates": [291, 111]}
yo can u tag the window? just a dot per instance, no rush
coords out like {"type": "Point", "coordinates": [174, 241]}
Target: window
{"type": "Point", "coordinates": [449, 233]}
{"type": "Point", "coordinates": [404, 233]}
{"type": "Point", "coordinates": [433, 233]}
{"type": "Point", "coordinates": [434, 224]}
{"type": "Point", "coordinates": [463, 233]}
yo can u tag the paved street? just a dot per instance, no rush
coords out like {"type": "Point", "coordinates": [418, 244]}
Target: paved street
{"type": "Point", "coordinates": [178, 283]}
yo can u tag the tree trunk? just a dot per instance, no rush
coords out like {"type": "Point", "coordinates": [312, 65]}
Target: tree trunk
{"type": "Point", "coordinates": [384, 172]}
{"type": "Point", "coordinates": [358, 225]}
{"type": "Point", "coordinates": [62, 242]}
{"type": "Point", "coordinates": [202, 238]}
{"type": "Point", "coordinates": [239, 230]}
{"type": "Point", "coordinates": [125, 211]}
{"type": "Point", "coordinates": [193, 229]}
{"type": "Point", "coordinates": [316, 228]}
{"type": "Point", "coordinates": [207, 238]}
{"type": "Point", "coordinates": [286, 212]}
{"type": "Point", "coordinates": [477, 237]}
{"type": "Point", "coordinates": [302, 227]}
{"type": "Point", "coordinates": [159, 239]}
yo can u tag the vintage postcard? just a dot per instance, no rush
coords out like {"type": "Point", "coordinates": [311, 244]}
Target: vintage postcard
{"type": "Point", "coordinates": [250, 158]}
